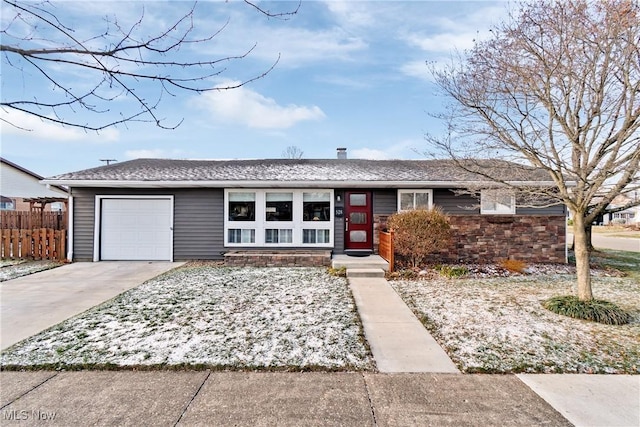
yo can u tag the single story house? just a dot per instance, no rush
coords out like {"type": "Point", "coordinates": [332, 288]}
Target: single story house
{"type": "Point", "coordinates": [159, 209]}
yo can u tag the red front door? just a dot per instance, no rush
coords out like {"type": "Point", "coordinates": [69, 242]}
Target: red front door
{"type": "Point", "coordinates": [358, 222]}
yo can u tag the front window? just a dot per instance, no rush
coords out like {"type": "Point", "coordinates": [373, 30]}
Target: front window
{"type": "Point", "coordinates": [497, 201]}
{"type": "Point", "coordinates": [242, 206]}
{"type": "Point", "coordinates": [284, 217]}
{"type": "Point", "coordinates": [409, 200]}
{"type": "Point", "coordinates": [279, 206]}
{"type": "Point", "coordinates": [316, 206]}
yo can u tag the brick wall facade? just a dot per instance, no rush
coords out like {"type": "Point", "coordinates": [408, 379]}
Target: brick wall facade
{"type": "Point", "coordinates": [491, 238]}
{"type": "Point", "coordinates": [278, 258]}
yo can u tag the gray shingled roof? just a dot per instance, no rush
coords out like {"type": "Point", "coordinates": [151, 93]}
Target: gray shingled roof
{"type": "Point", "coordinates": [290, 170]}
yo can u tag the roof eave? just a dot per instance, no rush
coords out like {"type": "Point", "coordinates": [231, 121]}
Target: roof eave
{"type": "Point", "coordinates": [282, 184]}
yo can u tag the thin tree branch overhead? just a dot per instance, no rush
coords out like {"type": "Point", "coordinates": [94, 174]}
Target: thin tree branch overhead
{"type": "Point", "coordinates": [112, 64]}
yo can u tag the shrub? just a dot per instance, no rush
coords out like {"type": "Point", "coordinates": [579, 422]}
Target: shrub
{"type": "Point", "coordinates": [451, 271]}
{"type": "Point", "coordinates": [419, 233]}
{"type": "Point", "coordinates": [595, 310]}
{"type": "Point", "coordinates": [338, 272]}
{"type": "Point", "coordinates": [513, 265]}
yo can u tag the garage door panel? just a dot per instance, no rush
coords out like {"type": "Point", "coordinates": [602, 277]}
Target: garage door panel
{"type": "Point", "coordinates": [136, 229]}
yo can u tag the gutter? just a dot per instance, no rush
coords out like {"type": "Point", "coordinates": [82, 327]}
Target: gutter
{"type": "Point", "coordinates": [288, 184]}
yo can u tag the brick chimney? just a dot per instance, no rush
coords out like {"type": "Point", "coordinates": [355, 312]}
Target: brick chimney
{"type": "Point", "coordinates": [342, 153]}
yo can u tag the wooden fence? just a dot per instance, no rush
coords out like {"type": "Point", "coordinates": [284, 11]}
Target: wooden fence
{"type": "Point", "coordinates": [386, 249]}
{"type": "Point", "coordinates": [40, 243]}
{"type": "Point", "coordinates": [27, 220]}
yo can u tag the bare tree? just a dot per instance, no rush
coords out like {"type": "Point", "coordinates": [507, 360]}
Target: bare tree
{"type": "Point", "coordinates": [292, 152]}
{"type": "Point", "coordinates": [37, 43]}
{"type": "Point", "coordinates": [557, 87]}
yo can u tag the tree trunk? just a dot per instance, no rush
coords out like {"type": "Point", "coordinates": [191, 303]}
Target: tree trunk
{"type": "Point", "coordinates": [589, 230]}
{"type": "Point", "coordinates": [581, 250]}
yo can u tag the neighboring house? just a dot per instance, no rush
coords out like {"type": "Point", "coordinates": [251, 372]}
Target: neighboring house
{"type": "Point", "coordinates": [155, 209]}
{"type": "Point", "coordinates": [628, 216]}
{"type": "Point", "coordinates": [18, 184]}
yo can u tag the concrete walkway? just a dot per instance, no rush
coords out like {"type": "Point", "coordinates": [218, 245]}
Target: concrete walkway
{"type": "Point", "coordinates": [203, 398]}
{"type": "Point", "coordinates": [33, 303]}
{"type": "Point", "coordinates": [398, 341]}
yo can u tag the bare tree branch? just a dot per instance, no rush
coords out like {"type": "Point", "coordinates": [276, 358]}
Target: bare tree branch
{"type": "Point", "coordinates": [38, 44]}
{"type": "Point", "coordinates": [556, 87]}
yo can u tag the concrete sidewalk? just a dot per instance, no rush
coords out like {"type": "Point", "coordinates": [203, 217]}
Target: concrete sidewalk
{"type": "Point", "coordinates": [33, 303]}
{"type": "Point", "coordinates": [197, 398]}
{"type": "Point", "coordinates": [398, 341]}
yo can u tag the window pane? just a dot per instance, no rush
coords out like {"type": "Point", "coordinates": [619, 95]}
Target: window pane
{"type": "Point", "coordinates": [308, 236]}
{"type": "Point", "coordinates": [358, 218]}
{"type": "Point", "coordinates": [316, 197]}
{"type": "Point", "coordinates": [358, 199]}
{"type": "Point", "coordinates": [237, 235]}
{"type": "Point", "coordinates": [422, 200]}
{"type": "Point", "coordinates": [406, 201]}
{"type": "Point", "coordinates": [278, 206]}
{"type": "Point", "coordinates": [498, 201]}
{"type": "Point", "coordinates": [358, 236]}
{"type": "Point", "coordinates": [278, 236]}
{"type": "Point", "coordinates": [315, 236]}
{"type": "Point", "coordinates": [242, 206]}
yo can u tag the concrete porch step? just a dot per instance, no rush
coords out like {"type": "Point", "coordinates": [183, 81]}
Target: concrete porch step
{"type": "Point", "coordinates": [365, 272]}
{"type": "Point", "coordinates": [351, 262]}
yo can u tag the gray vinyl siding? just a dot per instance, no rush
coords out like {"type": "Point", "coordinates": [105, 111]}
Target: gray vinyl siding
{"type": "Point", "coordinates": [456, 204]}
{"type": "Point", "coordinates": [385, 202]}
{"type": "Point", "coordinates": [198, 230]}
{"type": "Point", "coordinates": [83, 218]}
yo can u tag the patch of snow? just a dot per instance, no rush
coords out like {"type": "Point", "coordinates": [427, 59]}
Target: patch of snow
{"type": "Point", "coordinates": [214, 316]}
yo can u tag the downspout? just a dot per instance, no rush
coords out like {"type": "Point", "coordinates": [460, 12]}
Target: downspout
{"type": "Point", "coordinates": [70, 228]}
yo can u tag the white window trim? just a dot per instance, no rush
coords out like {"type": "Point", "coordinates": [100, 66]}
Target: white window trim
{"type": "Point", "coordinates": [412, 191]}
{"type": "Point", "coordinates": [512, 207]}
{"type": "Point", "coordinates": [261, 224]}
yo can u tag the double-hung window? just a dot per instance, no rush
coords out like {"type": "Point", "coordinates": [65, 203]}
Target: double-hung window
{"type": "Point", "coordinates": [409, 200]}
{"type": "Point", "coordinates": [497, 202]}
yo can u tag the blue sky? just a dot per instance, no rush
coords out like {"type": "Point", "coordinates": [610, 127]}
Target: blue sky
{"type": "Point", "coordinates": [351, 74]}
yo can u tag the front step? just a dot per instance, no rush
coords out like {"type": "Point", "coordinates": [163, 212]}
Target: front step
{"type": "Point", "coordinates": [365, 272]}
{"type": "Point", "coordinates": [349, 262]}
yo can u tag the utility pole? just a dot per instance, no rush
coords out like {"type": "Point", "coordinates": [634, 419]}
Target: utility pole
{"type": "Point", "coordinates": [108, 161]}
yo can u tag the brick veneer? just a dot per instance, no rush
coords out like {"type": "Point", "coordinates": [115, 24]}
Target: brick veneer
{"type": "Point", "coordinates": [278, 258]}
{"type": "Point", "coordinates": [491, 238]}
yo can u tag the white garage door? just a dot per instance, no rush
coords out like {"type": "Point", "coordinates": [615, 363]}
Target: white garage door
{"type": "Point", "coordinates": [136, 229]}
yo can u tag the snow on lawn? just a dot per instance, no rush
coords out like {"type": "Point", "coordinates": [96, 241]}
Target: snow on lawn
{"type": "Point", "coordinates": [10, 269]}
{"type": "Point", "coordinates": [499, 324]}
{"type": "Point", "coordinates": [219, 317]}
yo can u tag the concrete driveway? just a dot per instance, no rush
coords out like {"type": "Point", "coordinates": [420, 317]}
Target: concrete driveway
{"type": "Point", "coordinates": [32, 303]}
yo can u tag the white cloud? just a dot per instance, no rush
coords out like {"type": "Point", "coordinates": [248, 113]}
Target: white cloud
{"type": "Point", "coordinates": [369, 153]}
{"type": "Point", "coordinates": [351, 13]}
{"type": "Point", "coordinates": [404, 149]}
{"type": "Point", "coordinates": [19, 123]}
{"type": "Point", "coordinates": [247, 107]}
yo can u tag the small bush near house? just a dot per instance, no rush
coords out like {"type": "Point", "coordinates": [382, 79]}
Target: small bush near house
{"type": "Point", "coordinates": [451, 271]}
{"type": "Point", "coordinates": [595, 310]}
{"type": "Point", "coordinates": [338, 272]}
{"type": "Point", "coordinates": [513, 265]}
{"type": "Point", "coordinates": [419, 233]}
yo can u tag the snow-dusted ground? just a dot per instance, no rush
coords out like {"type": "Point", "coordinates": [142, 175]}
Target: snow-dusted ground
{"type": "Point", "coordinates": [10, 269]}
{"type": "Point", "coordinates": [499, 324]}
{"type": "Point", "coordinates": [237, 318]}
